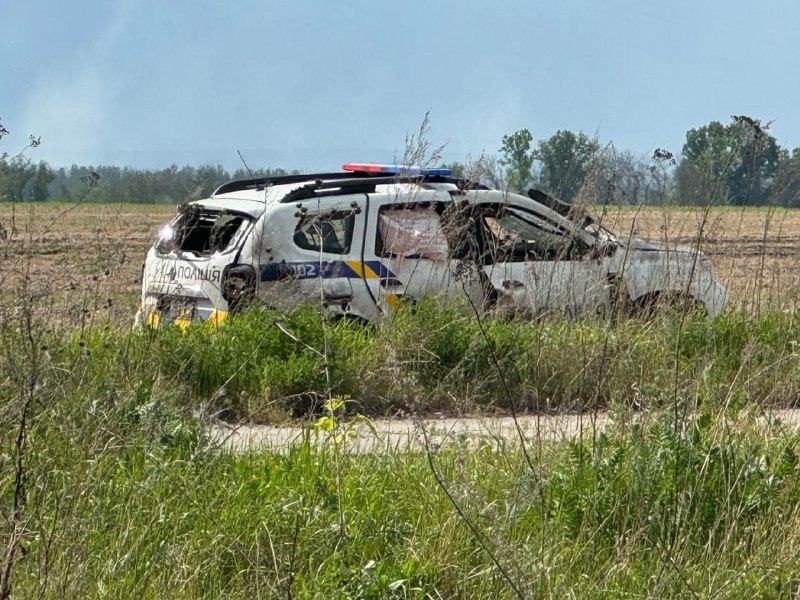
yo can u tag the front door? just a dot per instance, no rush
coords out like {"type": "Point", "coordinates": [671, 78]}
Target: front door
{"type": "Point", "coordinates": [534, 267]}
{"type": "Point", "coordinates": [315, 251]}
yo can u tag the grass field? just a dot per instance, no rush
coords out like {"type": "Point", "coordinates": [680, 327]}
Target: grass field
{"type": "Point", "coordinates": [109, 487]}
{"type": "Point", "coordinates": [113, 490]}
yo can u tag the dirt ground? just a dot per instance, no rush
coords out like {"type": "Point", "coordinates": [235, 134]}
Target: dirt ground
{"type": "Point", "coordinates": [83, 262]}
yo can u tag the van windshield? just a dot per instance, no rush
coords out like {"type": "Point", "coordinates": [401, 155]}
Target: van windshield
{"type": "Point", "coordinates": [203, 232]}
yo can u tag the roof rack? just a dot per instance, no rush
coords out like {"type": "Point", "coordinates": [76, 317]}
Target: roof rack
{"type": "Point", "coordinates": [261, 183]}
{"type": "Point", "coordinates": [362, 183]}
{"type": "Point", "coordinates": [340, 179]}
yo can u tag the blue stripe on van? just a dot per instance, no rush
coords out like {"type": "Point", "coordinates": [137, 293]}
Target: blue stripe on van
{"type": "Point", "coordinates": [324, 269]}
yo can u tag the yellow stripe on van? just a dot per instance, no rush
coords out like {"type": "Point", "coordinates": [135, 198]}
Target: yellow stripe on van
{"type": "Point", "coordinates": [362, 270]}
{"type": "Point", "coordinates": [366, 272]}
{"type": "Point", "coordinates": [392, 300]}
{"type": "Point", "coordinates": [217, 317]}
{"type": "Point", "coordinates": [153, 318]}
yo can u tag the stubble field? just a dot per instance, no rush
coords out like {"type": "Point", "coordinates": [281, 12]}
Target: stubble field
{"type": "Point", "coordinates": [87, 258]}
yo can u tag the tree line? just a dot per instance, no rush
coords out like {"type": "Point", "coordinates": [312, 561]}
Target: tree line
{"type": "Point", "coordinates": [738, 163]}
{"type": "Point", "coordinates": [22, 180]}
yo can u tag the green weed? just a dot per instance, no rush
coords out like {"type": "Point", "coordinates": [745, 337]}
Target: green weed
{"type": "Point", "coordinates": [688, 492]}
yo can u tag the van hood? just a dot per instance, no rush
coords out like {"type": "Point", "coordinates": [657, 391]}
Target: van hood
{"type": "Point", "coordinates": [651, 246]}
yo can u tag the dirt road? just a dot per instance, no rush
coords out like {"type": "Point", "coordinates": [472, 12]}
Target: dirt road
{"type": "Point", "coordinates": [386, 435]}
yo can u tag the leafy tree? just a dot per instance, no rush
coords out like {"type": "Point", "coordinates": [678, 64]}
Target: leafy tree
{"type": "Point", "coordinates": [208, 178]}
{"type": "Point", "coordinates": [518, 159]}
{"type": "Point", "coordinates": [485, 170]}
{"type": "Point", "coordinates": [730, 163]}
{"type": "Point", "coordinates": [566, 158]}
{"type": "Point", "coordinates": [785, 189]}
{"type": "Point", "coordinates": [40, 182]}
{"type": "Point", "coordinates": [457, 169]}
{"type": "Point", "coordinates": [629, 178]}
{"type": "Point", "coordinates": [625, 178]}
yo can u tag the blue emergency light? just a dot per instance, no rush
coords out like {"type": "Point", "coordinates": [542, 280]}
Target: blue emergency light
{"type": "Point", "coordinates": [393, 169]}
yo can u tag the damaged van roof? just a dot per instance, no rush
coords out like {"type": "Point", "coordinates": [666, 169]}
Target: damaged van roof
{"type": "Point", "coordinates": [249, 201]}
{"type": "Point", "coordinates": [248, 207]}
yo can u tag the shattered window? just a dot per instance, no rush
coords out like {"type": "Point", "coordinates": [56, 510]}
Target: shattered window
{"type": "Point", "coordinates": [332, 233]}
{"type": "Point", "coordinates": [510, 236]}
{"type": "Point", "coordinates": [202, 232]}
{"type": "Point", "coordinates": [412, 233]}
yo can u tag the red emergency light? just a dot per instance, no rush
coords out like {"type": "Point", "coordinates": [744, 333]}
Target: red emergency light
{"type": "Point", "coordinates": [393, 169]}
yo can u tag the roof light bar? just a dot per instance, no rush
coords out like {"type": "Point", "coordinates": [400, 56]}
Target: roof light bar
{"type": "Point", "coordinates": [394, 169]}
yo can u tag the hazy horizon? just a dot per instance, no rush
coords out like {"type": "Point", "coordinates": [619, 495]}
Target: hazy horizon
{"type": "Point", "coordinates": [311, 85]}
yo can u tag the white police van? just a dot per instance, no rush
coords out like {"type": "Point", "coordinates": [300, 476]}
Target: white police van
{"type": "Point", "coordinates": [369, 238]}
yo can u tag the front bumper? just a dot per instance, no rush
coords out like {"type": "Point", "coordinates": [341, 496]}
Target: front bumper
{"type": "Point", "coordinates": [158, 311]}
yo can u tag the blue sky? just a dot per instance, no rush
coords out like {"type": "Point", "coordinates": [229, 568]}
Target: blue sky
{"type": "Point", "coordinates": [311, 85]}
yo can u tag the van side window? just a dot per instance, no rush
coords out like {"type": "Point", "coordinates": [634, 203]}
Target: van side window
{"type": "Point", "coordinates": [331, 233]}
{"type": "Point", "coordinates": [411, 232]}
{"type": "Point", "coordinates": [514, 237]}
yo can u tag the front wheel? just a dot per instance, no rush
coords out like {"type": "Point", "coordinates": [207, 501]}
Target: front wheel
{"type": "Point", "coordinates": [649, 305]}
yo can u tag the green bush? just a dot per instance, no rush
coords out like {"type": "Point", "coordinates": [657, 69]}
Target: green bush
{"type": "Point", "coordinates": [430, 356]}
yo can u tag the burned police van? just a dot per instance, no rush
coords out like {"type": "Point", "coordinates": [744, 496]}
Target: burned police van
{"type": "Point", "coordinates": [364, 241]}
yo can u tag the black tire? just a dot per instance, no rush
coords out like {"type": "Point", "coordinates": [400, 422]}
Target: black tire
{"type": "Point", "coordinates": [650, 305]}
